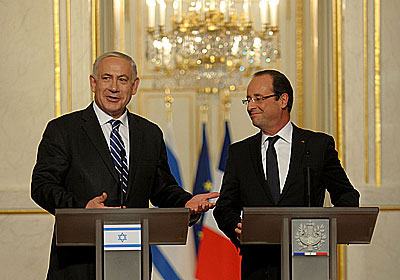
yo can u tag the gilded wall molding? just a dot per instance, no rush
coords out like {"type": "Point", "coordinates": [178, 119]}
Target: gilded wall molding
{"type": "Point", "coordinates": [299, 63]}
{"type": "Point", "coordinates": [377, 78]}
{"type": "Point", "coordinates": [338, 109]}
{"type": "Point", "coordinates": [95, 26]}
{"type": "Point", "coordinates": [338, 76]}
{"type": "Point", "coordinates": [314, 60]}
{"type": "Point", "coordinates": [139, 31]}
{"type": "Point", "coordinates": [57, 63]}
{"type": "Point", "coordinates": [366, 120]}
{"type": "Point", "coordinates": [69, 83]}
{"type": "Point", "coordinates": [23, 212]}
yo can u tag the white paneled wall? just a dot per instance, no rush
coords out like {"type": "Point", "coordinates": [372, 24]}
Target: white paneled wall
{"type": "Point", "coordinates": [27, 98]}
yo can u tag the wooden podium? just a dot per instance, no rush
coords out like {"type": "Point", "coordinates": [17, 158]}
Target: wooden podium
{"type": "Point", "coordinates": [154, 226]}
{"type": "Point", "coordinates": [299, 226]}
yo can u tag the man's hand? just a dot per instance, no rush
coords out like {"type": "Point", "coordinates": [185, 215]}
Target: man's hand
{"type": "Point", "coordinates": [98, 202]}
{"type": "Point", "coordinates": [199, 203]}
{"type": "Point", "coordinates": [238, 230]}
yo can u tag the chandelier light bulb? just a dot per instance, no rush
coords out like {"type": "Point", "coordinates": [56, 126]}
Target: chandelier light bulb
{"type": "Point", "coordinates": [213, 44]}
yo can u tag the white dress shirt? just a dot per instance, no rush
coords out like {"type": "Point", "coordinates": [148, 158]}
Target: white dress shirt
{"type": "Point", "coordinates": [106, 127]}
{"type": "Point", "coordinates": [283, 147]}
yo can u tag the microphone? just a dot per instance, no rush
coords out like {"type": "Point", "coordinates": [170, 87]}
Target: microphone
{"type": "Point", "coordinates": [122, 195]}
{"type": "Point", "coordinates": [308, 174]}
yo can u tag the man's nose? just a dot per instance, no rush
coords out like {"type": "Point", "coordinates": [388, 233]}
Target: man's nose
{"type": "Point", "coordinates": [251, 105]}
{"type": "Point", "coordinates": [114, 85]}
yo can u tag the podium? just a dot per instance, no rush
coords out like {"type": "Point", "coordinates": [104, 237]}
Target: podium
{"type": "Point", "coordinates": [122, 236]}
{"type": "Point", "coordinates": [313, 233]}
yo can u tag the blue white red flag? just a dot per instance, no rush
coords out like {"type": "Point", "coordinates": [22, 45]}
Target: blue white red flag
{"type": "Point", "coordinates": [202, 183]}
{"type": "Point", "coordinates": [217, 257]}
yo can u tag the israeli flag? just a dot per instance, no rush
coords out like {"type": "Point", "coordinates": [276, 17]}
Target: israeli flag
{"type": "Point", "coordinates": [172, 262]}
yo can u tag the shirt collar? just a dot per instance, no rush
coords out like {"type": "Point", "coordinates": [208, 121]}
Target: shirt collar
{"type": "Point", "coordinates": [285, 134]}
{"type": "Point", "coordinates": [105, 118]}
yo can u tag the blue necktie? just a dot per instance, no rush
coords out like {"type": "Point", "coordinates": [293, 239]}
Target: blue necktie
{"type": "Point", "coordinates": [272, 169]}
{"type": "Point", "coordinates": [118, 154]}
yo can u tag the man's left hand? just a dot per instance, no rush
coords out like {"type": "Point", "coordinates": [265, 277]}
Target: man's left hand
{"type": "Point", "coordinates": [199, 203]}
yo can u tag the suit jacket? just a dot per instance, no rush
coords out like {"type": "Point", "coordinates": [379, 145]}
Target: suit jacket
{"type": "Point", "coordinates": [244, 185]}
{"type": "Point", "coordinates": [74, 165]}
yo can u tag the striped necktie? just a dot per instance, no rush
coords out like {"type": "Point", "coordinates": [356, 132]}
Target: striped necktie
{"type": "Point", "coordinates": [118, 154]}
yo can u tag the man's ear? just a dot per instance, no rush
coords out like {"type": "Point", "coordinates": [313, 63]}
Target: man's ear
{"type": "Point", "coordinates": [92, 83]}
{"type": "Point", "coordinates": [135, 85]}
{"type": "Point", "coordinates": [284, 100]}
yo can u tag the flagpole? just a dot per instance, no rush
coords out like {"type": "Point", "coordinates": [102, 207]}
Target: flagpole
{"type": "Point", "coordinates": [227, 105]}
{"type": "Point", "coordinates": [168, 103]}
{"type": "Point", "coordinates": [203, 181]}
{"type": "Point", "coordinates": [204, 109]}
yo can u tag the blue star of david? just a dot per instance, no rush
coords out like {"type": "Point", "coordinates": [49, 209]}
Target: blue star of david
{"type": "Point", "coordinates": [122, 237]}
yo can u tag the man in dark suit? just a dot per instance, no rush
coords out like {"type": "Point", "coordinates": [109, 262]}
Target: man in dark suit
{"type": "Point", "coordinates": [75, 168]}
{"type": "Point", "coordinates": [269, 169]}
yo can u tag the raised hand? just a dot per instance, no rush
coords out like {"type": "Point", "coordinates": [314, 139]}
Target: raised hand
{"type": "Point", "coordinates": [199, 203]}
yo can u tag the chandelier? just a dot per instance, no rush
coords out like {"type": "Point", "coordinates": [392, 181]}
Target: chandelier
{"type": "Point", "coordinates": [213, 45]}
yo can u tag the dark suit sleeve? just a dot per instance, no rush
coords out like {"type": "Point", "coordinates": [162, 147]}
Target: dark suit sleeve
{"type": "Point", "coordinates": [334, 177]}
{"type": "Point", "coordinates": [228, 209]}
{"type": "Point", "coordinates": [48, 177]}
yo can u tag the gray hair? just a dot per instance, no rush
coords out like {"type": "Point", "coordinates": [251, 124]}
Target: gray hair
{"type": "Point", "coordinates": [117, 54]}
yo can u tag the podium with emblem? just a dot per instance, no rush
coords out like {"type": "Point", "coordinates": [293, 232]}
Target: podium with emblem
{"type": "Point", "coordinates": [308, 235]}
{"type": "Point", "coordinates": [122, 236]}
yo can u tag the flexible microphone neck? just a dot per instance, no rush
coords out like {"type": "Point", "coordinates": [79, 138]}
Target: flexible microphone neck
{"type": "Point", "coordinates": [308, 174]}
{"type": "Point", "coordinates": [122, 194]}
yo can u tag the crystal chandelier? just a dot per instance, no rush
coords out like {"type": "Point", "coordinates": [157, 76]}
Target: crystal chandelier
{"type": "Point", "coordinates": [213, 45]}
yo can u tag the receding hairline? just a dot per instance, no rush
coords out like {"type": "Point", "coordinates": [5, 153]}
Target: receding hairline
{"type": "Point", "coordinates": [261, 75]}
{"type": "Point", "coordinates": [114, 54]}
{"type": "Point", "coordinates": [280, 84]}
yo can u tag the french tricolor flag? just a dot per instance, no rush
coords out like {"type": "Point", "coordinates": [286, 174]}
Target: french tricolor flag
{"type": "Point", "coordinates": [217, 257]}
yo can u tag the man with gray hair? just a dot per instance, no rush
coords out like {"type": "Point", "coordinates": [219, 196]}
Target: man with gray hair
{"type": "Point", "coordinates": [104, 157]}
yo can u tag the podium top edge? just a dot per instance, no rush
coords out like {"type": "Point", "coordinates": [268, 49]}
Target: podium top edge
{"type": "Point", "coordinates": [63, 211]}
{"type": "Point", "coordinates": [316, 210]}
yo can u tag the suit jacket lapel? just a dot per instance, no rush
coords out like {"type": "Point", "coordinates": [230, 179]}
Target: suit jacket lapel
{"type": "Point", "coordinates": [255, 153]}
{"type": "Point", "coordinates": [299, 143]}
{"type": "Point", "coordinates": [92, 128]}
{"type": "Point", "coordinates": [135, 139]}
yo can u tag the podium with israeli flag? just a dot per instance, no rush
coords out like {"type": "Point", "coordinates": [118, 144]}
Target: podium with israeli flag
{"type": "Point", "coordinates": [122, 236]}
{"type": "Point", "coordinates": [313, 233]}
